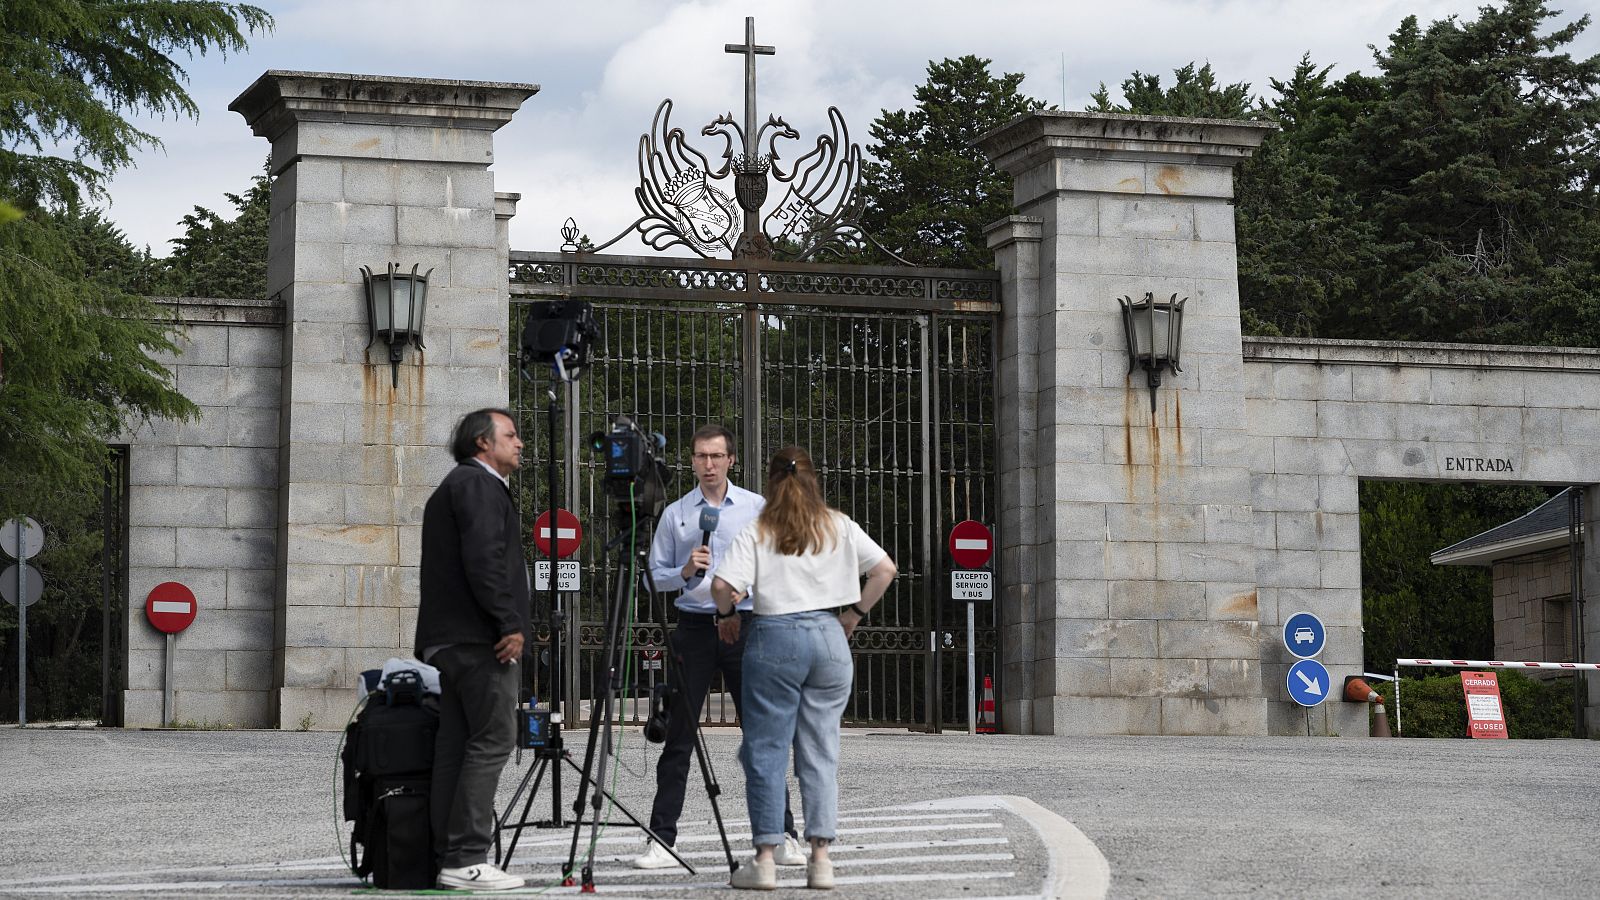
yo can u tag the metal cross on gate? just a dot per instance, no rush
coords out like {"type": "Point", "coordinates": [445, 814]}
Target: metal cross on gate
{"type": "Point", "coordinates": [750, 50]}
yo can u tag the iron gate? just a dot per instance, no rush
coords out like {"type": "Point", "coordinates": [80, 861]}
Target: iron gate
{"type": "Point", "coordinates": [884, 374]}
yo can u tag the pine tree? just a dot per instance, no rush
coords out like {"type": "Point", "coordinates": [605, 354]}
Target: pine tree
{"type": "Point", "coordinates": [1194, 94]}
{"type": "Point", "coordinates": [929, 190]}
{"type": "Point", "coordinates": [219, 257]}
{"type": "Point", "coordinates": [1479, 165]}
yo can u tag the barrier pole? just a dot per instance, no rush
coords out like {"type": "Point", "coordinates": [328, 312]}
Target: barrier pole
{"type": "Point", "coordinates": [1573, 667]}
{"type": "Point", "coordinates": [1398, 731]}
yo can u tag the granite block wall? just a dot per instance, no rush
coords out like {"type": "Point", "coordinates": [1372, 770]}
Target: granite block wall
{"type": "Point", "coordinates": [202, 511]}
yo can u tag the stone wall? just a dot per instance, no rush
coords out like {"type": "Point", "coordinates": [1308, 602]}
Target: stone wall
{"type": "Point", "coordinates": [1533, 608]}
{"type": "Point", "coordinates": [202, 511]}
{"type": "Point", "coordinates": [1325, 414]}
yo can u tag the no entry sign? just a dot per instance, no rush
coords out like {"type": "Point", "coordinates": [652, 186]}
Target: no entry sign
{"type": "Point", "coordinates": [569, 533]}
{"type": "Point", "coordinates": [170, 607]}
{"type": "Point", "coordinates": [971, 544]}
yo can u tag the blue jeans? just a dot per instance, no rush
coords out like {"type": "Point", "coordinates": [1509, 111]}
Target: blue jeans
{"type": "Point", "coordinates": [797, 674]}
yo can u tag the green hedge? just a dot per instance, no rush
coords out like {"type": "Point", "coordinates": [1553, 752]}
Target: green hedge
{"type": "Point", "coordinates": [1433, 705]}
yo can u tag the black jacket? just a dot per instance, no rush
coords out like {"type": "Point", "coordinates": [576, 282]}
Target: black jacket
{"type": "Point", "coordinates": [474, 578]}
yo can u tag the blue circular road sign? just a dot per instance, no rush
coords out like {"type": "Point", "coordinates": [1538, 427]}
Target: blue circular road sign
{"type": "Point", "coordinates": [1304, 635]}
{"type": "Point", "coordinates": [1309, 682]}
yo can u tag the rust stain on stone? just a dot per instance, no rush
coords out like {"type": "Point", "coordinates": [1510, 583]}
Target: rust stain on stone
{"type": "Point", "coordinates": [1155, 456]}
{"type": "Point", "coordinates": [1169, 179]}
{"type": "Point", "coordinates": [1130, 184]}
{"type": "Point", "coordinates": [368, 145]}
{"type": "Point", "coordinates": [1177, 423]}
{"type": "Point", "coordinates": [1241, 605]}
{"type": "Point", "coordinates": [1128, 406]}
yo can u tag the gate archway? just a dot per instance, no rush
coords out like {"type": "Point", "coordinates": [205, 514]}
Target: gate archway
{"type": "Point", "coordinates": [884, 373]}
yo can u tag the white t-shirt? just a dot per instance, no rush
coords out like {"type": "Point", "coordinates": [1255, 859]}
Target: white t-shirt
{"type": "Point", "coordinates": [827, 579]}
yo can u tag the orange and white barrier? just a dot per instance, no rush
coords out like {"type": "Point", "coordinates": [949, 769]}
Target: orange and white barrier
{"type": "Point", "coordinates": [1476, 664]}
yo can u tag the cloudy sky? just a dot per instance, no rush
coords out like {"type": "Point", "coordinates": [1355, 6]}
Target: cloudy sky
{"type": "Point", "coordinates": [604, 65]}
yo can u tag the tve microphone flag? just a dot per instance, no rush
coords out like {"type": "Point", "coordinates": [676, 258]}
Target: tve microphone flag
{"type": "Point", "coordinates": [708, 524]}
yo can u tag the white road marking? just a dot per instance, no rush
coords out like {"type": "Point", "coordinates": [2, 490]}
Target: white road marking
{"type": "Point", "coordinates": [970, 847]}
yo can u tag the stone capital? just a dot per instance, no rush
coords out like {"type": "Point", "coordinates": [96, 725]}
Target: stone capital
{"type": "Point", "coordinates": [1028, 140]}
{"type": "Point", "coordinates": [281, 99]}
{"type": "Point", "coordinates": [1014, 229]}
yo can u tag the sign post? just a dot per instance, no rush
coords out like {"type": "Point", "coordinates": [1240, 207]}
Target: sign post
{"type": "Point", "coordinates": [1308, 681]}
{"type": "Point", "coordinates": [971, 546]}
{"type": "Point", "coordinates": [171, 608]}
{"type": "Point", "coordinates": [21, 538]}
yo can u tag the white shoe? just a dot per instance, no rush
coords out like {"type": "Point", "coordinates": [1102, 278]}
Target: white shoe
{"type": "Point", "coordinates": [755, 875]}
{"type": "Point", "coordinates": [791, 852]}
{"type": "Point", "coordinates": [481, 877]}
{"type": "Point", "coordinates": [655, 856]}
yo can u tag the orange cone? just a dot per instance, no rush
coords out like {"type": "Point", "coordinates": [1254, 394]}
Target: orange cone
{"type": "Point", "coordinates": [986, 723]}
{"type": "Point", "coordinates": [1380, 721]}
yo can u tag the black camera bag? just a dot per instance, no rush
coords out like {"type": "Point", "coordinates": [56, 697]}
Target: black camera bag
{"type": "Point", "coordinates": [388, 770]}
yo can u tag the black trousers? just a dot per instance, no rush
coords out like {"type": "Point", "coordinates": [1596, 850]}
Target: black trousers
{"type": "Point", "coordinates": [477, 728]}
{"type": "Point", "coordinates": [697, 654]}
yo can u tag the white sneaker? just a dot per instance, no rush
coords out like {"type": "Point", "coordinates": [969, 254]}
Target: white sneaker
{"type": "Point", "coordinates": [481, 877]}
{"type": "Point", "coordinates": [791, 852]}
{"type": "Point", "coordinates": [655, 856]}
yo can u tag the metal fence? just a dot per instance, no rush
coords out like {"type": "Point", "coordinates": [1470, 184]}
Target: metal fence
{"type": "Point", "coordinates": [889, 386]}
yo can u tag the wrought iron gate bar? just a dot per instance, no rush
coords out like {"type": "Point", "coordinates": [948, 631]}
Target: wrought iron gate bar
{"type": "Point", "coordinates": [892, 394]}
{"type": "Point", "coordinates": [594, 276]}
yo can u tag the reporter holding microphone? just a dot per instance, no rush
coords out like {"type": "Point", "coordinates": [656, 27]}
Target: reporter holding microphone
{"type": "Point", "coordinates": [804, 563]}
{"type": "Point", "coordinates": [692, 537]}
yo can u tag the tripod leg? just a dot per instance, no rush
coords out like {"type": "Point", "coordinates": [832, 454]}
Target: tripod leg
{"type": "Point", "coordinates": [537, 774]}
{"type": "Point", "coordinates": [713, 791]}
{"type": "Point", "coordinates": [643, 826]}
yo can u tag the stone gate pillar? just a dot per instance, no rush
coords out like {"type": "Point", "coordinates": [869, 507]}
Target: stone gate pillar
{"type": "Point", "coordinates": [1130, 601]}
{"type": "Point", "coordinates": [371, 170]}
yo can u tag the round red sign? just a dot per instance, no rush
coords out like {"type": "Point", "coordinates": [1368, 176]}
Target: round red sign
{"type": "Point", "coordinates": [170, 607]}
{"type": "Point", "coordinates": [971, 544]}
{"type": "Point", "coordinates": [569, 533]}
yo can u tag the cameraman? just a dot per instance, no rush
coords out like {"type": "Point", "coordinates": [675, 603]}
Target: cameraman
{"type": "Point", "coordinates": [698, 648]}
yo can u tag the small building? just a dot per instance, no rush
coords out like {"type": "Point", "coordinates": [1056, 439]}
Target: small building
{"type": "Point", "coordinates": [1531, 562]}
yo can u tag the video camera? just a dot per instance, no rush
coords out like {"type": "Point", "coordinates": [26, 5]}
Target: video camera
{"type": "Point", "coordinates": [636, 470]}
{"type": "Point", "coordinates": [559, 333]}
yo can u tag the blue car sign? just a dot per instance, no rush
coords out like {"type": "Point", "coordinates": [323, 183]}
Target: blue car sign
{"type": "Point", "coordinates": [1304, 635]}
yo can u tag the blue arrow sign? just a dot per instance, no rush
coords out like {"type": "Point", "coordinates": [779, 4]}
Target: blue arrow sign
{"type": "Point", "coordinates": [1309, 682]}
{"type": "Point", "coordinates": [1304, 635]}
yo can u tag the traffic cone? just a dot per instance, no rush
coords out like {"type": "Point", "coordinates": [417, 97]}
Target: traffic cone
{"type": "Point", "coordinates": [1380, 721]}
{"type": "Point", "coordinates": [986, 723]}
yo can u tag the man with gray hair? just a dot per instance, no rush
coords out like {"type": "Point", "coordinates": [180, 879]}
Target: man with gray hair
{"type": "Point", "coordinates": [472, 626]}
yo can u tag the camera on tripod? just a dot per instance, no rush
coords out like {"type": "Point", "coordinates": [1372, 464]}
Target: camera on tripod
{"type": "Point", "coordinates": [560, 333]}
{"type": "Point", "coordinates": [635, 467]}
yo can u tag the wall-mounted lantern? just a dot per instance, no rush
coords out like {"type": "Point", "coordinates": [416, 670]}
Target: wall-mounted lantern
{"type": "Point", "coordinates": [1155, 336]}
{"type": "Point", "coordinates": [396, 303]}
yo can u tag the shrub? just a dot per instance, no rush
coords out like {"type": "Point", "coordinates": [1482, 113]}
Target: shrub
{"type": "Point", "coordinates": [1433, 705]}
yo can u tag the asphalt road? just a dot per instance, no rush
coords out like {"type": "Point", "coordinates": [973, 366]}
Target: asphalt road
{"type": "Point", "coordinates": [103, 811]}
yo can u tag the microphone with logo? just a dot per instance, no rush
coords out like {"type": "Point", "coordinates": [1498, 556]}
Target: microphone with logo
{"type": "Point", "coordinates": [708, 524]}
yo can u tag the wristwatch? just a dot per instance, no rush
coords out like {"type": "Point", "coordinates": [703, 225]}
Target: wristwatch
{"type": "Point", "coordinates": [858, 611]}
{"type": "Point", "coordinates": [719, 615]}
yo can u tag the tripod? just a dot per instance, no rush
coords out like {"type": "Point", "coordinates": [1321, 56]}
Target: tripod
{"type": "Point", "coordinates": [632, 571]}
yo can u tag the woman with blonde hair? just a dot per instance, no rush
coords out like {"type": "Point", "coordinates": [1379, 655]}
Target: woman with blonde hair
{"type": "Point", "coordinates": [804, 563]}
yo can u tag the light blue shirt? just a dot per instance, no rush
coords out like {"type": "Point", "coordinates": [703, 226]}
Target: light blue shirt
{"type": "Point", "coordinates": [678, 534]}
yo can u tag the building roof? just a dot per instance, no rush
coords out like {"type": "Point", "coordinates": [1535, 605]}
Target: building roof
{"type": "Point", "coordinates": [1545, 528]}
